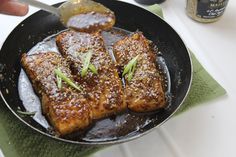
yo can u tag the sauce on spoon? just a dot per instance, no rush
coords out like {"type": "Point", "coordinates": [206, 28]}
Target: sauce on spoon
{"type": "Point", "coordinates": [90, 22]}
{"type": "Point", "coordinates": [86, 16]}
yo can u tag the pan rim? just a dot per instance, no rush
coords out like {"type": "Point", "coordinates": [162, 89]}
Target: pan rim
{"type": "Point", "coordinates": [116, 141]}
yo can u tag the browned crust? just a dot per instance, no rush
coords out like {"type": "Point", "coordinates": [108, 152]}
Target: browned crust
{"type": "Point", "coordinates": [66, 109]}
{"type": "Point", "coordinates": [105, 89]}
{"type": "Point", "coordinates": [144, 92]}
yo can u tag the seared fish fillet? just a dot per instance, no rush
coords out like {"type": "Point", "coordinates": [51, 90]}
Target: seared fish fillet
{"type": "Point", "coordinates": [66, 109]}
{"type": "Point", "coordinates": [104, 89]}
{"type": "Point", "coordinates": [144, 92]}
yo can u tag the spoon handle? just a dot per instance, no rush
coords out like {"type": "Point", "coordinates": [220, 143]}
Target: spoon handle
{"type": "Point", "coordinates": [42, 6]}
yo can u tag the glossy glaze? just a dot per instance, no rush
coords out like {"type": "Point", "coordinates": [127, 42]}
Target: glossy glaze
{"type": "Point", "coordinates": [125, 124]}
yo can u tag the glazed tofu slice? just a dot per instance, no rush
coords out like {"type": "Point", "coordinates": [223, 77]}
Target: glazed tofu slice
{"type": "Point", "coordinates": [144, 92]}
{"type": "Point", "coordinates": [104, 89]}
{"type": "Point", "coordinates": [66, 108]}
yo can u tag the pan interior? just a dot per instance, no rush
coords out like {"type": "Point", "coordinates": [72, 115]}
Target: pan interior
{"type": "Point", "coordinates": [107, 129]}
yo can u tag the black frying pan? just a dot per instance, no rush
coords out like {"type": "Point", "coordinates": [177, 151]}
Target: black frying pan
{"type": "Point", "coordinates": [129, 17]}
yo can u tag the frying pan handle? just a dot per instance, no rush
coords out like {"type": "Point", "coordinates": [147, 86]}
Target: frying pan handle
{"type": "Point", "coordinates": [41, 5]}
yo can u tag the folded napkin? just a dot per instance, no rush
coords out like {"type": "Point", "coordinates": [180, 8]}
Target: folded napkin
{"type": "Point", "coordinates": [17, 140]}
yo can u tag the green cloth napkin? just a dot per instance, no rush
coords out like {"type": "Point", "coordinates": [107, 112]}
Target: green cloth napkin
{"type": "Point", "coordinates": [17, 140]}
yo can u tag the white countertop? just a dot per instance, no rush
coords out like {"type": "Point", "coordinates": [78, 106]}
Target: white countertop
{"type": "Point", "coordinates": [208, 130]}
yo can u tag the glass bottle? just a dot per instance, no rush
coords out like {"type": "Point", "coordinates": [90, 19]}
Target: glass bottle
{"type": "Point", "coordinates": [206, 10]}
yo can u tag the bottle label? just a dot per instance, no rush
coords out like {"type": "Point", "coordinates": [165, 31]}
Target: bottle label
{"type": "Point", "coordinates": [210, 9]}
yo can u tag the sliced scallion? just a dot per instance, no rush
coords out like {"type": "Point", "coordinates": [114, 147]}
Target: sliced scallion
{"type": "Point", "coordinates": [130, 68]}
{"type": "Point", "coordinates": [59, 82]}
{"type": "Point", "coordinates": [86, 63]}
{"type": "Point", "coordinates": [59, 73]}
{"type": "Point", "coordinates": [130, 76]}
{"type": "Point", "coordinates": [27, 113]}
{"type": "Point", "coordinates": [131, 72]}
{"type": "Point", "coordinates": [93, 68]}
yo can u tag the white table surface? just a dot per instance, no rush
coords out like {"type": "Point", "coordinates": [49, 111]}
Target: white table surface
{"type": "Point", "coordinates": [208, 130]}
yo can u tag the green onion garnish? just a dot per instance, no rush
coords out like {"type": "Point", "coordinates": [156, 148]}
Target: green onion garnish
{"type": "Point", "coordinates": [130, 68]}
{"type": "Point", "coordinates": [59, 73]}
{"type": "Point", "coordinates": [26, 113]}
{"type": "Point", "coordinates": [130, 76]}
{"type": "Point", "coordinates": [59, 84]}
{"type": "Point", "coordinates": [93, 68]}
{"type": "Point", "coordinates": [86, 63]}
{"type": "Point", "coordinates": [131, 71]}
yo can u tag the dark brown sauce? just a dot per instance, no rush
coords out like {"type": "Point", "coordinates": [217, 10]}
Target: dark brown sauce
{"type": "Point", "coordinates": [91, 22]}
{"type": "Point", "coordinates": [115, 127]}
